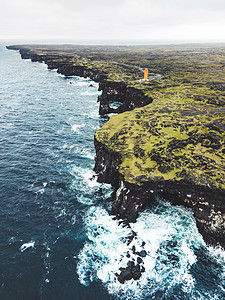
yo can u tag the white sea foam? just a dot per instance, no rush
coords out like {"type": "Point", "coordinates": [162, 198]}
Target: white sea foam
{"type": "Point", "coordinates": [73, 219]}
{"type": "Point", "coordinates": [25, 246]}
{"type": "Point", "coordinates": [47, 263]}
{"type": "Point", "coordinates": [88, 155]}
{"type": "Point", "coordinates": [62, 213]}
{"type": "Point", "coordinates": [169, 234]}
{"type": "Point", "coordinates": [90, 179]}
{"type": "Point", "coordinates": [93, 114]}
{"type": "Point", "coordinates": [105, 233]}
{"type": "Point", "coordinates": [189, 255]}
{"type": "Point", "coordinates": [79, 150]}
{"type": "Point", "coordinates": [85, 176]}
{"type": "Point", "coordinates": [40, 190]}
{"type": "Point", "coordinates": [82, 152]}
{"type": "Point", "coordinates": [86, 199]}
{"type": "Point", "coordinates": [11, 240]}
{"type": "Point", "coordinates": [218, 252]}
{"type": "Point", "coordinates": [76, 127]}
{"type": "Point", "coordinates": [115, 105]}
{"type": "Point", "coordinates": [80, 83]}
{"type": "Point", "coordinates": [89, 188]}
{"type": "Point", "coordinates": [91, 93]}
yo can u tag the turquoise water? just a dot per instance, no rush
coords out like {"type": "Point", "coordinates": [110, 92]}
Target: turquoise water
{"type": "Point", "coordinates": [57, 238]}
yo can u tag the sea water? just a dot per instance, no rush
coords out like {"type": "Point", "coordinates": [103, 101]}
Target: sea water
{"type": "Point", "coordinates": [57, 238]}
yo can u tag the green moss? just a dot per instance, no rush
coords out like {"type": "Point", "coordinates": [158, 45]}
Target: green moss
{"type": "Point", "coordinates": [177, 139]}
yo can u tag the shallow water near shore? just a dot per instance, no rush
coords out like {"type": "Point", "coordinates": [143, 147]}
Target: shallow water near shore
{"type": "Point", "coordinates": [57, 238]}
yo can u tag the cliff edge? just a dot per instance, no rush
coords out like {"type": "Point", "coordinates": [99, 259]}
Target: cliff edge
{"type": "Point", "coordinates": [172, 148]}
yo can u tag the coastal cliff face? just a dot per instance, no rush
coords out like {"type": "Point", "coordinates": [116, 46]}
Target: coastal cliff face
{"type": "Point", "coordinates": [116, 97]}
{"type": "Point", "coordinates": [169, 138]}
{"type": "Point", "coordinates": [206, 203]}
{"type": "Point", "coordinates": [126, 97]}
{"type": "Point", "coordinates": [174, 153]}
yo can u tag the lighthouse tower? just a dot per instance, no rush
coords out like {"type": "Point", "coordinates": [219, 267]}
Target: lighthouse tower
{"type": "Point", "coordinates": [146, 74]}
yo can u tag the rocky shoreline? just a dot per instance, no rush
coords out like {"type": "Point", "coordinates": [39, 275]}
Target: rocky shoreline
{"type": "Point", "coordinates": [134, 189]}
{"type": "Point", "coordinates": [127, 97]}
{"type": "Point", "coordinates": [207, 204]}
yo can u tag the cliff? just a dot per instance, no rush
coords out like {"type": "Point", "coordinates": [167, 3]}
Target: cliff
{"type": "Point", "coordinates": [168, 139]}
{"type": "Point", "coordinates": [117, 96]}
{"type": "Point", "coordinates": [169, 151]}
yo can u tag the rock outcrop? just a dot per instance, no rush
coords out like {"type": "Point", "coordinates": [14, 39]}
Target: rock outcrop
{"type": "Point", "coordinates": [169, 153]}
{"type": "Point", "coordinates": [207, 203]}
{"type": "Point", "coordinates": [126, 97]}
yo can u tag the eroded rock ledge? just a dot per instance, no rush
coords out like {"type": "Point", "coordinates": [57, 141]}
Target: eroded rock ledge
{"type": "Point", "coordinates": [177, 154]}
{"type": "Point", "coordinates": [207, 204]}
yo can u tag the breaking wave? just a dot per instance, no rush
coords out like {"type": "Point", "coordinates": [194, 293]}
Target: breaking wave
{"type": "Point", "coordinates": [173, 246]}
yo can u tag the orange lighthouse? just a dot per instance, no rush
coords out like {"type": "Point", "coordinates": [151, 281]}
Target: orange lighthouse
{"type": "Point", "coordinates": [146, 74]}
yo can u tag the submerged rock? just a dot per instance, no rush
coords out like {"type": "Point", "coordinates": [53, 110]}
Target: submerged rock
{"type": "Point", "coordinates": [132, 271]}
{"type": "Point", "coordinates": [142, 253]}
{"type": "Point", "coordinates": [139, 260]}
{"type": "Point", "coordinates": [125, 274]}
{"type": "Point", "coordinates": [133, 249]}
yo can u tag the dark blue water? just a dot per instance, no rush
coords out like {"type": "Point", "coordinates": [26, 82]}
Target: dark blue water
{"type": "Point", "coordinates": [57, 239]}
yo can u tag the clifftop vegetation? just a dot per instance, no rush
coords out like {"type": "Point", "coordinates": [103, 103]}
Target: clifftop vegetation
{"type": "Point", "coordinates": [180, 135]}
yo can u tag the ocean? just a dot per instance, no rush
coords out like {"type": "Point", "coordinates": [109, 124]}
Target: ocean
{"type": "Point", "coordinates": [57, 238]}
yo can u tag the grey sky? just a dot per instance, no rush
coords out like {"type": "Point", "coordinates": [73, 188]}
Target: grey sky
{"type": "Point", "coordinates": [190, 20]}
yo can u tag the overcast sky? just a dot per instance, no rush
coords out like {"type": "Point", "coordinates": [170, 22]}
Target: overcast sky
{"type": "Point", "coordinates": [152, 20]}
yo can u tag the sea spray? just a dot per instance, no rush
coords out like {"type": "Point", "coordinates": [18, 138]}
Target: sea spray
{"type": "Point", "coordinates": [171, 241]}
